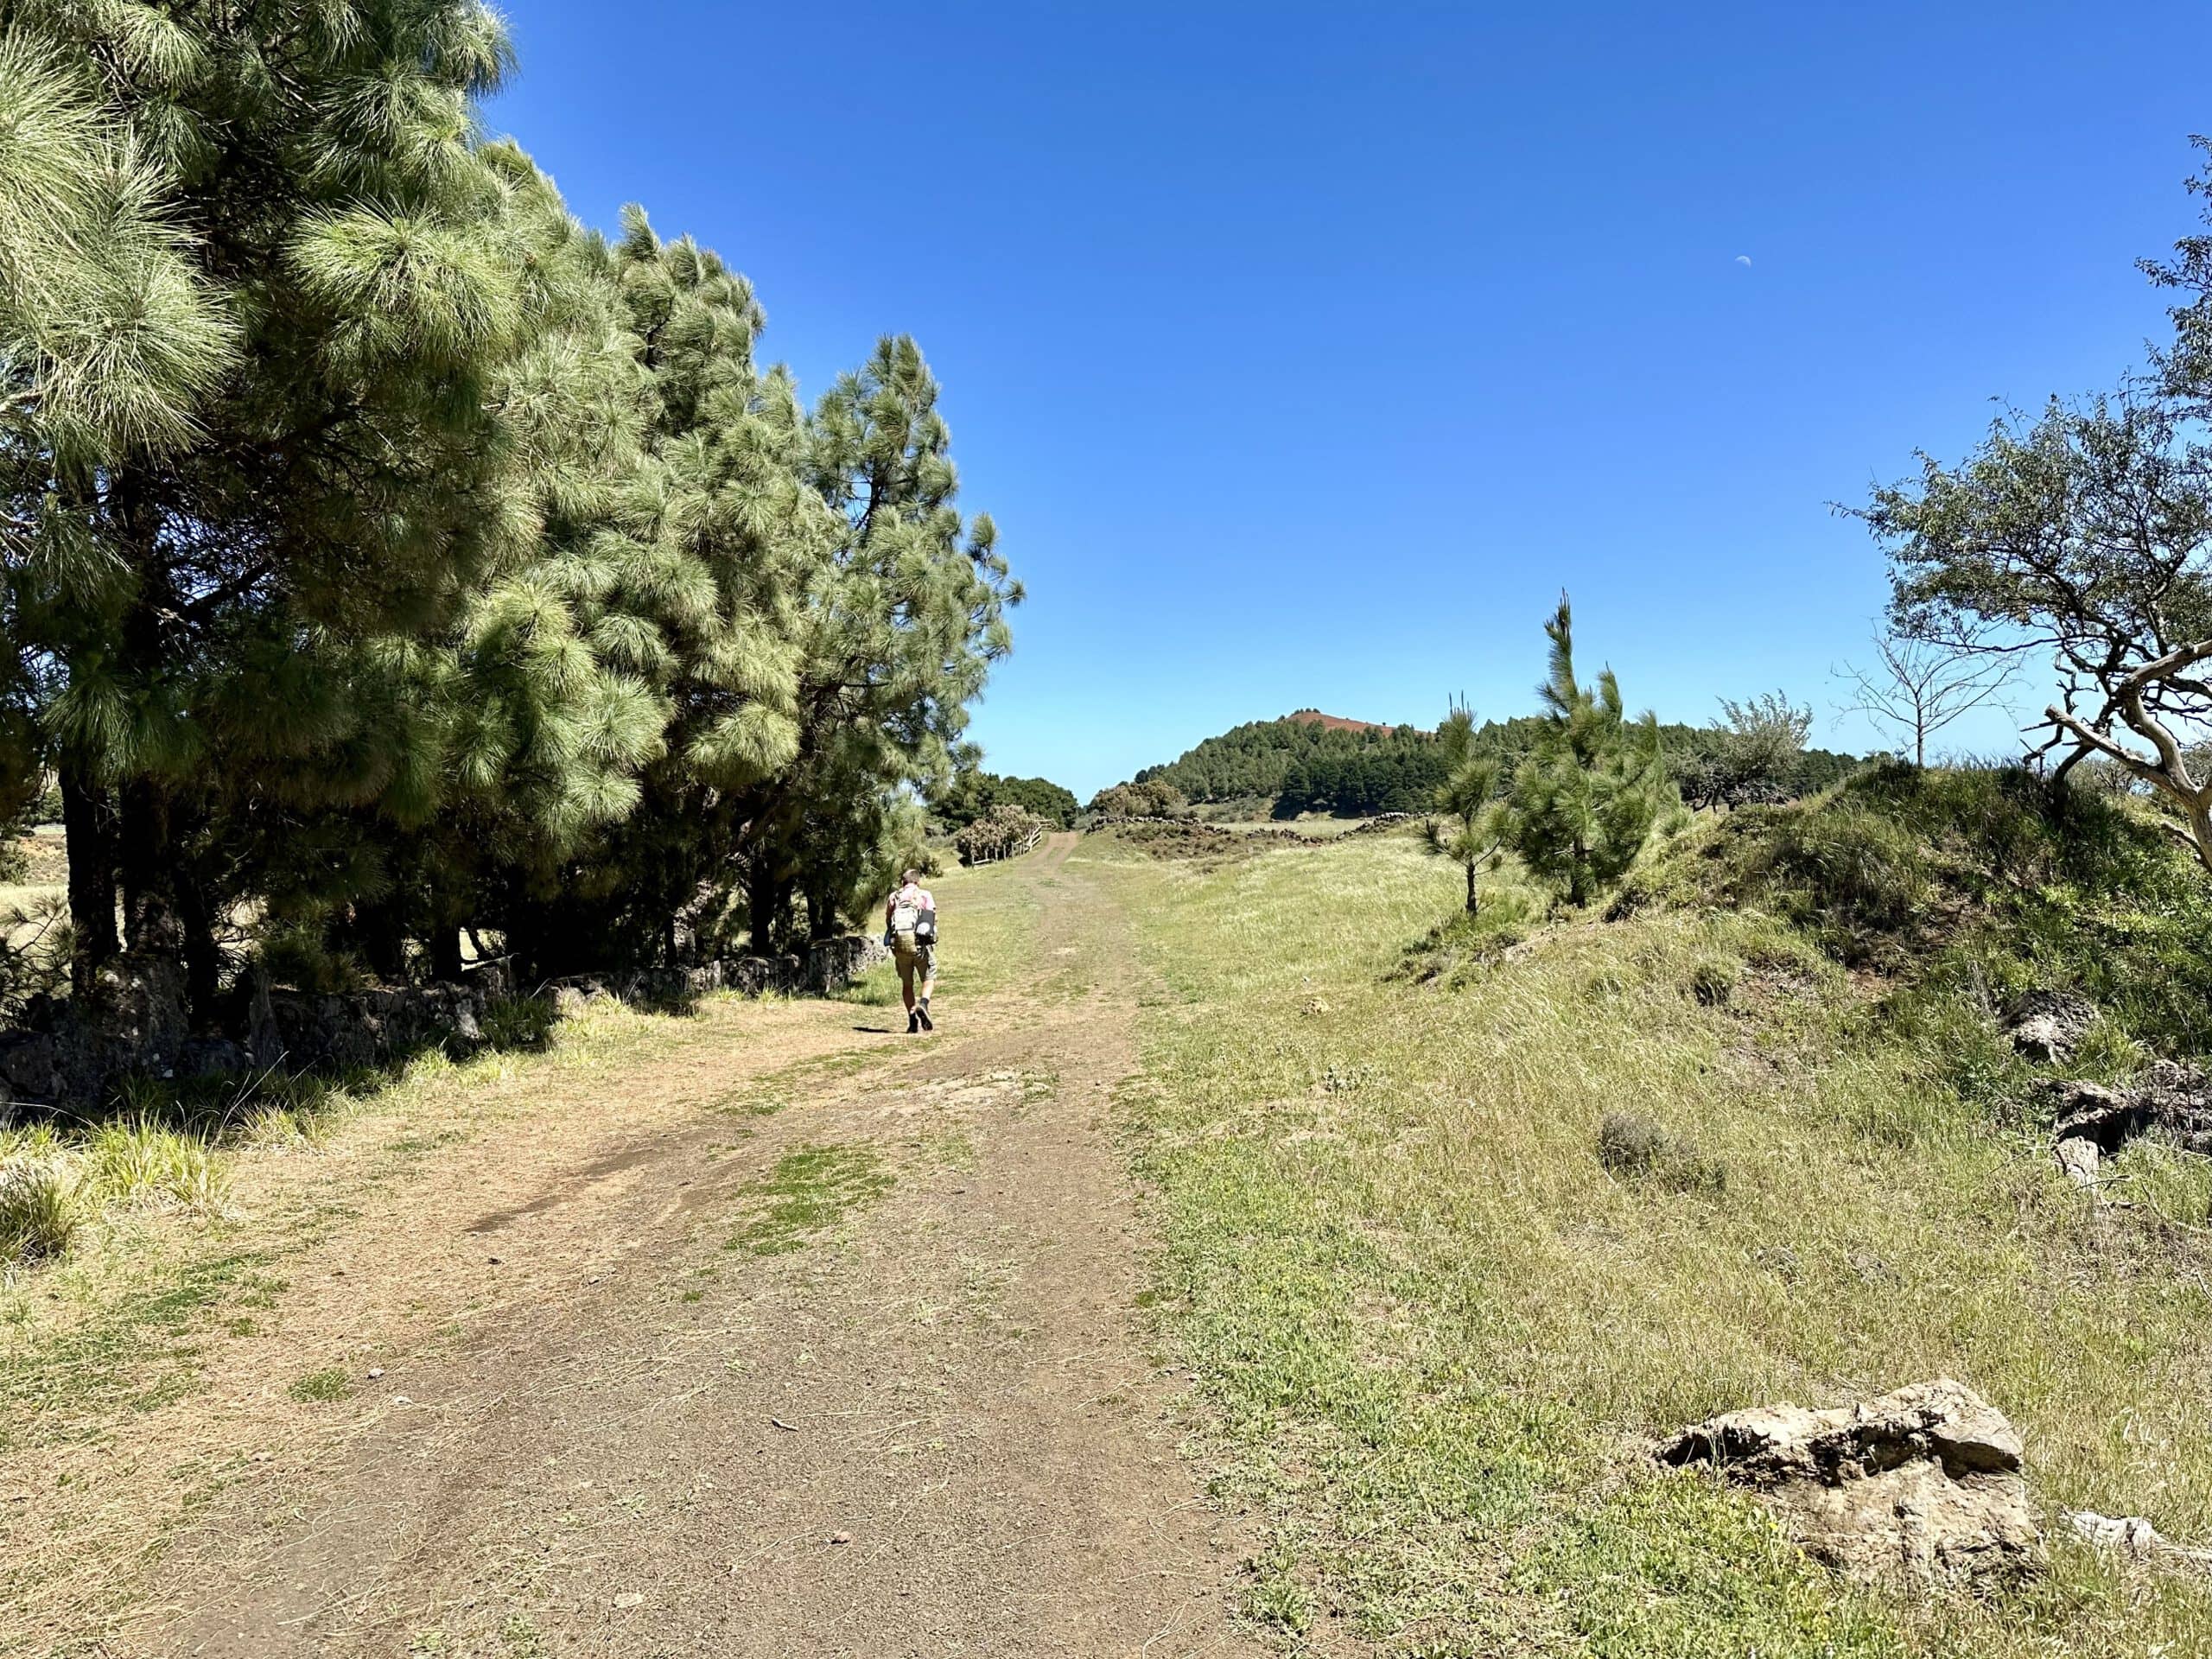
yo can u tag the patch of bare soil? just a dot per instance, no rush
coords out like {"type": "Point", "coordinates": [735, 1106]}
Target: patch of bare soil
{"type": "Point", "coordinates": [842, 1363]}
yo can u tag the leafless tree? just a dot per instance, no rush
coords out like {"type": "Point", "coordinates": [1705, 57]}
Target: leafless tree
{"type": "Point", "coordinates": [1916, 688]}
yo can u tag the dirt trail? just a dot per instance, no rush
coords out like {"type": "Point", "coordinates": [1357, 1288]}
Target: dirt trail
{"type": "Point", "coordinates": [926, 1427]}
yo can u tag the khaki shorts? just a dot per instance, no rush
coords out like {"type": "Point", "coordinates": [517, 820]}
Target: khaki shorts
{"type": "Point", "coordinates": [923, 957]}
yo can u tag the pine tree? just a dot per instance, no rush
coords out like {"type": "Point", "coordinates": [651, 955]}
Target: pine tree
{"type": "Point", "coordinates": [387, 558]}
{"type": "Point", "coordinates": [309, 176]}
{"type": "Point", "coordinates": [1584, 802]}
{"type": "Point", "coordinates": [1471, 821]}
{"type": "Point", "coordinates": [902, 622]}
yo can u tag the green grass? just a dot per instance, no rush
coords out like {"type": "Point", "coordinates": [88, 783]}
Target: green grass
{"type": "Point", "coordinates": [810, 1192]}
{"type": "Point", "coordinates": [138, 1350]}
{"type": "Point", "coordinates": [140, 1161]}
{"type": "Point", "coordinates": [321, 1387]}
{"type": "Point", "coordinates": [1432, 1324]}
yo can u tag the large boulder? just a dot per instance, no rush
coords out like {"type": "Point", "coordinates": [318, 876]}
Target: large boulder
{"type": "Point", "coordinates": [1922, 1484]}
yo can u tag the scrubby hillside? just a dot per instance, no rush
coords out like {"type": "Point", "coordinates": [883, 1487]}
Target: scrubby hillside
{"type": "Point", "coordinates": [1966, 889]}
{"type": "Point", "coordinates": [1446, 1257]}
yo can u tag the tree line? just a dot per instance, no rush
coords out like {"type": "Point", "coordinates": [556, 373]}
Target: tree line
{"type": "Point", "coordinates": [392, 564]}
{"type": "Point", "coordinates": [974, 793]}
{"type": "Point", "coordinates": [1755, 751]}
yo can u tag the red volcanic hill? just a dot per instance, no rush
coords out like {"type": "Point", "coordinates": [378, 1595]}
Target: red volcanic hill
{"type": "Point", "coordinates": [1333, 723]}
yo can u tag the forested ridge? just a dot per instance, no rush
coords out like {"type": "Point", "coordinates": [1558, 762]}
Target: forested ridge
{"type": "Point", "coordinates": [1295, 766]}
{"type": "Point", "coordinates": [392, 562]}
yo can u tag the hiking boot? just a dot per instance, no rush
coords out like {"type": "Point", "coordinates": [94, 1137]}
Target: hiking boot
{"type": "Point", "coordinates": [913, 1020]}
{"type": "Point", "coordinates": [922, 1015]}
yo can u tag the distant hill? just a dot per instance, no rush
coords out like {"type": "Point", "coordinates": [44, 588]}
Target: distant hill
{"type": "Point", "coordinates": [1369, 767]}
{"type": "Point", "coordinates": [1334, 723]}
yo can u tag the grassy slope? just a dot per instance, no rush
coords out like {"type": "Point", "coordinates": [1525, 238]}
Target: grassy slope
{"type": "Point", "coordinates": [1435, 1332]}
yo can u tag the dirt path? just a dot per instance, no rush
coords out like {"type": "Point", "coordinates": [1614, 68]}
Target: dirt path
{"type": "Point", "coordinates": [857, 1377]}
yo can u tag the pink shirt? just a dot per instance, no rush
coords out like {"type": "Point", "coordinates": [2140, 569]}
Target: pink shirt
{"type": "Point", "coordinates": [914, 894]}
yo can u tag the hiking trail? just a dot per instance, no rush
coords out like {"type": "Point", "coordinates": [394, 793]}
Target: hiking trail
{"type": "Point", "coordinates": [682, 1363]}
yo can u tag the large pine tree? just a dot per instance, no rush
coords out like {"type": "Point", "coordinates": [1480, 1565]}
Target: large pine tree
{"type": "Point", "coordinates": [342, 472]}
{"type": "Point", "coordinates": [387, 559]}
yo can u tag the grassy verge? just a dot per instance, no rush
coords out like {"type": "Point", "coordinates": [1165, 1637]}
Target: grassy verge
{"type": "Point", "coordinates": [1437, 1306]}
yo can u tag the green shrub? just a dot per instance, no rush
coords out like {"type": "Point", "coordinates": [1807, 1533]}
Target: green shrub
{"type": "Point", "coordinates": [519, 1022]}
{"type": "Point", "coordinates": [1462, 943]}
{"type": "Point", "coordinates": [1970, 886]}
{"type": "Point", "coordinates": [1713, 978]}
{"type": "Point", "coordinates": [1636, 1148]}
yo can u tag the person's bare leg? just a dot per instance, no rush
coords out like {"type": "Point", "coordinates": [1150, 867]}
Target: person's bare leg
{"type": "Point", "coordinates": [906, 989]}
{"type": "Point", "coordinates": [929, 989]}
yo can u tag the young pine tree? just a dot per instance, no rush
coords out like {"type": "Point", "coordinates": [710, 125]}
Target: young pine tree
{"type": "Point", "coordinates": [1584, 800]}
{"type": "Point", "coordinates": [1471, 821]}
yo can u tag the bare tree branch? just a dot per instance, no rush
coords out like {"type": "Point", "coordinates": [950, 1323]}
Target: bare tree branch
{"type": "Point", "coordinates": [1917, 686]}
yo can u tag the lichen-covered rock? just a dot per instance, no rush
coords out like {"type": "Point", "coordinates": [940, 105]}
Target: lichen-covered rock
{"type": "Point", "coordinates": [1923, 1483]}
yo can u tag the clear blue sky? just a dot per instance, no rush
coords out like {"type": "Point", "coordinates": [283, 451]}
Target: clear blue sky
{"type": "Point", "coordinates": [1303, 353]}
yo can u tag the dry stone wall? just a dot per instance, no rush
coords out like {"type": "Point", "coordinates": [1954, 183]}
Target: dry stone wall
{"type": "Point", "coordinates": [64, 1055]}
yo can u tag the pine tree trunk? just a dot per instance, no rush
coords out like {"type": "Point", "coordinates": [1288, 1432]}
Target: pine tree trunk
{"type": "Point", "coordinates": [768, 900]}
{"type": "Point", "coordinates": [146, 845]}
{"type": "Point", "coordinates": [87, 819]}
{"type": "Point", "coordinates": [821, 916]}
{"type": "Point", "coordinates": [1471, 901]}
{"type": "Point", "coordinates": [203, 958]}
{"type": "Point", "coordinates": [445, 953]}
{"type": "Point", "coordinates": [378, 933]}
{"type": "Point", "coordinates": [146, 859]}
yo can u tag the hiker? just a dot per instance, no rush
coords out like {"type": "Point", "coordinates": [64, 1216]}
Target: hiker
{"type": "Point", "coordinates": [910, 916]}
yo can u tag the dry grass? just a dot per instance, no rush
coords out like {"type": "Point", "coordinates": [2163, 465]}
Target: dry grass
{"type": "Point", "coordinates": [1435, 1327]}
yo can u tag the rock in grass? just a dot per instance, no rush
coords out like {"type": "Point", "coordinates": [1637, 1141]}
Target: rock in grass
{"type": "Point", "coordinates": [2048, 1027]}
{"type": "Point", "coordinates": [2133, 1536]}
{"type": "Point", "coordinates": [1922, 1485]}
{"type": "Point", "coordinates": [2079, 1157]}
{"type": "Point", "coordinates": [2092, 1122]}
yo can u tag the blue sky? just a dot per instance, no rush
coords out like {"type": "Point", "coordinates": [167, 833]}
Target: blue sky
{"type": "Point", "coordinates": [1305, 352]}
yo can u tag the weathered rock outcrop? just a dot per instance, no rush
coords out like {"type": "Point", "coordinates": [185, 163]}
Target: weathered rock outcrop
{"type": "Point", "coordinates": [2091, 1121]}
{"type": "Point", "coordinates": [1923, 1483]}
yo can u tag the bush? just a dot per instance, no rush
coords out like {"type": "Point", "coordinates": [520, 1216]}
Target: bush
{"type": "Point", "coordinates": [519, 1022]}
{"type": "Point", "coordinates": [1154, 799]}
{"type": "Point", "coordinates": [39, 1210]}
{"type": "Point", "coordinates": [1636, 1148]}
{"type": "Point", "coordinates": [1001, 833]}
{"type": "Point", "coordinates": [1456, 948]}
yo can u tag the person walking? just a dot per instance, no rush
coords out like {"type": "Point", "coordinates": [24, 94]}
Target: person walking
{"type": "Point", "coordinates": [910, 929]}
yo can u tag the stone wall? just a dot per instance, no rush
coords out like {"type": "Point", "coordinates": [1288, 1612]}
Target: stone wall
{"type": "Point", "coordinates": [62, 1055]}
